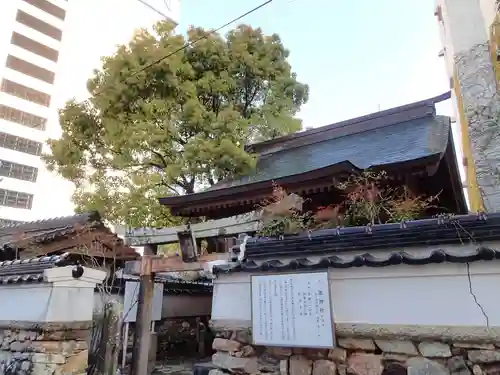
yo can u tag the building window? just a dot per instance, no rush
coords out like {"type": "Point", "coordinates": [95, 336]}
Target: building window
{"type": "Point", "coordinates": [38, 25]}
{"type": "Point", "coordinates": [30, 69]}
{"type": "Point", "coordinates": [16, 199]}
{"type": "Point", "coordinates": [18, 171]}
{"type": "Point", "coordinates": [33, 46]}
{"type": "Point", "coordinates": [20, 144]}
{"type": "Point", "coordinates": [25, 92]}
{"type": "Point", "coordinates": [48, 8]}
{"type": "Point", "coordinates": [22, 118]}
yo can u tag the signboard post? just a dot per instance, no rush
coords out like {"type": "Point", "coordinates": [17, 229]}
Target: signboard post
{"type": "Point", "coordinates": [292, 310]}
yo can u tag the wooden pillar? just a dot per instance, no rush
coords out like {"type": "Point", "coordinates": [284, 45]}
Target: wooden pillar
{"type": "Point", "coordinates": [142, 337]}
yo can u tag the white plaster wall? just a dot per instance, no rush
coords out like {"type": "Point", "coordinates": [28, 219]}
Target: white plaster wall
{"type": "Point", "coordinates": [403, 295]}
{"type": "Point", "coordinates": [45, 303]}
{"type": "Point", "coordinates": [461, 19]}
{"type": "Point", "coordinates": [60, 299]}
{"type": "Point", "coordinates": [488, 10]}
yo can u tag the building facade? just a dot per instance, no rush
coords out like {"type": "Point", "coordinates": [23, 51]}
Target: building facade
{"type": "Point", "coordinates": [470, 35]}
{"type": "Point", "coordinates": [31, 32]}
{"type": "Point", "coordinates": [48, 50]}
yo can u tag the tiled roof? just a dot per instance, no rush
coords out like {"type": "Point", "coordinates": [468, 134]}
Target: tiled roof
{"type": "Point", "coordinates": [46, 229]}
{"type": "Point", "coordinates": [371, 246]}
{"type": "Point", "coordinates": [41, 232]}
{"type": "Point", "coordinates": [29, 270]}
{"type": "Point", "coordinates": [407, 141]}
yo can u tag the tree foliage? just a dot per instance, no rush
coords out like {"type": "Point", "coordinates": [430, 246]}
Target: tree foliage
{"type": "Point", "coordinates": [177, 125]}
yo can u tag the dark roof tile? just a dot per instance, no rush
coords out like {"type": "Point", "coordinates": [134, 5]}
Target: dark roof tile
{"type": "Point", "coordinates": [399, 143]}
{"type": "Point", "coordinates": [475, 231]}
{"type": "Point", "coordinates": [29, 270]}
{"type": "Point", "coordinates": [367, 260]}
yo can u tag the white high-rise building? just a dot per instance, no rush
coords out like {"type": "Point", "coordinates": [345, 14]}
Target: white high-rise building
{"type": "Point", "coordinates": [48, 50]}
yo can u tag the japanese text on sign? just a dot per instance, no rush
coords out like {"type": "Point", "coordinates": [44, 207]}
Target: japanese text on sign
{"type": "Point", "coordinates": [292, 310]}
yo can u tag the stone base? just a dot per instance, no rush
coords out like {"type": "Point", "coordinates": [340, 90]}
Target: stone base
{"type": "Point", "coordinates": [356, 356]}
{"type": "Point", "coordinates": [43, 349]}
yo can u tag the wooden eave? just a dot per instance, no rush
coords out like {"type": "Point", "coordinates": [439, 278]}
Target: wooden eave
{"type": "Point", "coordinates": [244, 198]}
{"type": "Point", "coordinates": [98, 243]}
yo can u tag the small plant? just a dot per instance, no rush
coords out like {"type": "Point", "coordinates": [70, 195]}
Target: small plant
{"type": "Point", "coordinates": [282, 214]}
{"type": "Point", "coordinates": [371, 199]}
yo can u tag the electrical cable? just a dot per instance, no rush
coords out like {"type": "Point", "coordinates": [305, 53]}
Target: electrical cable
{"type": "Point", "coordinates": [190, 44]}
{"type": "Point", "coordinates": [146, 4]}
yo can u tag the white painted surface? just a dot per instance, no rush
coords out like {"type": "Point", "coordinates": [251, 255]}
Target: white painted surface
{"type": "Point", "coordinates": [414, 295]}
{"type": "Point", "coordinates": [292, 310]}
{"type": "Point", "coordinates": [131, 300]}
{"type": "Point", "coordinates": [61, 299]}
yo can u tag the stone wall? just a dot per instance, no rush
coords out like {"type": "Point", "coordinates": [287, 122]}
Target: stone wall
{"type": "Point", "coordinates": [43, 349]}
{"type": "Point", "coordinates": [356, 356]}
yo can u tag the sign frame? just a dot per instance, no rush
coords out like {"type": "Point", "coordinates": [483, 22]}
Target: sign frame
{"type": "Point", "coordinates": [332, 322]}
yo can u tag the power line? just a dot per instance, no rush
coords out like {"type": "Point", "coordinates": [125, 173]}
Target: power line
{"type": "Point", "coordinates": [190, 44]}
{"type": "Point", "coordinates": [145, 3]}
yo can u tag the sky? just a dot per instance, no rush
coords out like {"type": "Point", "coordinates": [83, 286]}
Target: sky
{"type": "Point", "coordinates": [356, 56]}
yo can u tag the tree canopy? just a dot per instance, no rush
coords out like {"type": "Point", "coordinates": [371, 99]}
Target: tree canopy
{"type": "Point", "coordinates": [156, 129]}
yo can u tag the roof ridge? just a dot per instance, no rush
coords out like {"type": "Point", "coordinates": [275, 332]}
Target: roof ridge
{"type": "Point", "coordinates": [345, 123]}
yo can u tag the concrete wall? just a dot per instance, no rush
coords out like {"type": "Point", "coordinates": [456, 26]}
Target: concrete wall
{"type": "Point", "coordinates": [465, 28]}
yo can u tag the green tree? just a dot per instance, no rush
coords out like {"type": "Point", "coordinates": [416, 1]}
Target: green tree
{"type": "Point", "coordinates": [177, 125]}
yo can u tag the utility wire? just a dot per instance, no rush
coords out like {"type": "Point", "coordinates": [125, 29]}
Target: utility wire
{"type": "Point", "coordinates": [146, 4]}
{"type": "Point", "coordinates": [190, 44]}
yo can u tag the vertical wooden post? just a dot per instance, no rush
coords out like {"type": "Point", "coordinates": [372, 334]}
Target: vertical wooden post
{"type": "Point", "coordinates": [142, 337]}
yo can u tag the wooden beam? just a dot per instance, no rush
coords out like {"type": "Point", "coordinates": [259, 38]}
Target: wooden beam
{"type": "Point", "coordinates": [142, 338]}
{"type": "Point", "coordinates": [172, 264]}
{"type": "Point", "coordinates": [231, 226]}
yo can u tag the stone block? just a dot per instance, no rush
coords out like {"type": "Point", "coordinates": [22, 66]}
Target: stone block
{"type": "Point", "coordinates": [397, 346]}
{"type": "Point", "coordinates": [67, 335]}
{"type": "Point", "coordinates": [48, 358]}
{"type": "Point", "coordinates": [44, 369]}
{"type": "Point", "coordinates": [280, 353]}
{"type": "Point", "coordinates": [268, 363]}
{"type": "Point", "coordinates": [316, 353]}
{"type": "Point", "coordinates": [365, 364]}
{"type": "Point", "coordinates": [76, 364]}
{"type": "Point", "coordinates": [300, 365]}
{"type": "Point", "coordinates": [483, 356]}
{"type": "Point", "coordinates": [434, 349]}
{"type": "Point", "coordinates": [457, 366]}
{"type": "Point", "coordinates": [337, 355]}
{"type": "Point", "coordinates": [360, 344]}
{"type": "Point", "coordinates": [226, 345]}
{"type": "Point", "coordinates": [225, 361]}
{"type": "Point", "coordinates": [246, 351]}
{"type": "Point", "coordinates": [18, 346]}
{"type": "Point", "coordinates": [324, 367]}
{"type": "Point", "coordinates": [424, 366]}
{"type": "Point", "coordinates": [476, 370]}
